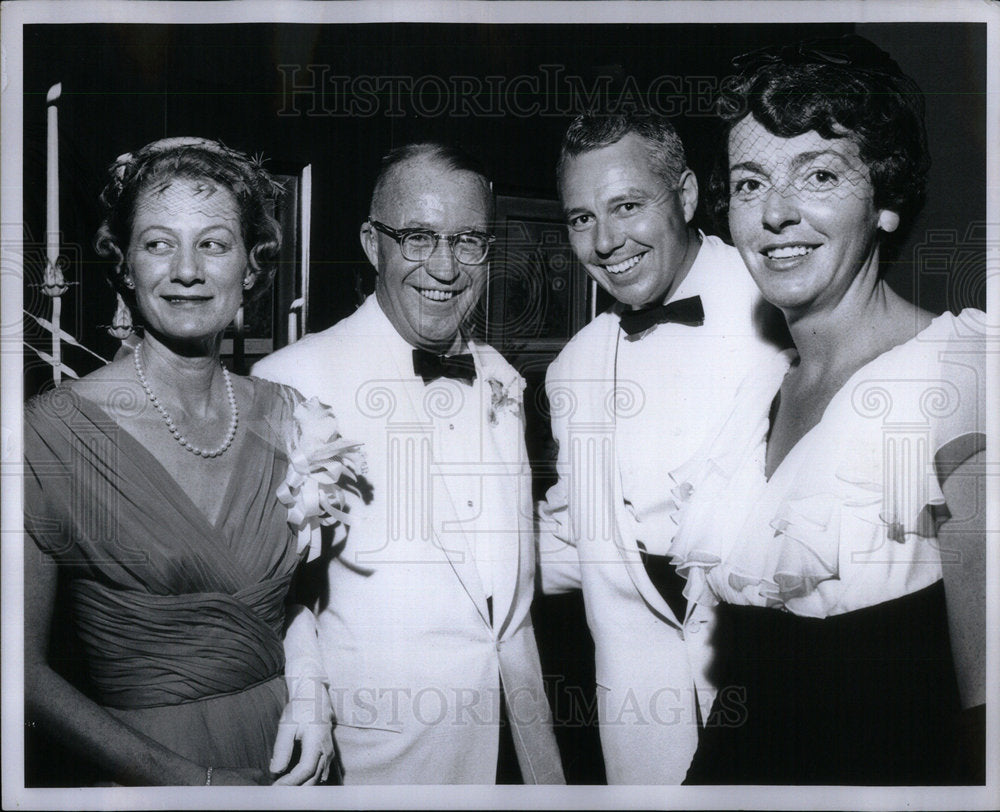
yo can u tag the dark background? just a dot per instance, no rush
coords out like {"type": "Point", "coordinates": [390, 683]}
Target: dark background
{"type": "Point", "coordinates": [126, 85]}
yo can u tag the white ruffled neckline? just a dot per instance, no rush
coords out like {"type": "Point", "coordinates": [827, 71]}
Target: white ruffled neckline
{"type": "Point", "coordinates": [748, 539]}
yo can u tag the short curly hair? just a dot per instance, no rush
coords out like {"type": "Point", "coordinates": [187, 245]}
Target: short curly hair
{"type": "Point", "coordinates": [253, 188]}
{"type": "Point", "coordinates": [839, 88]}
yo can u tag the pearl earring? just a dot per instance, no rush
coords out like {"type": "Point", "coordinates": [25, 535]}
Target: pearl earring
{"type": "Point", "coordinates": [888, 221]}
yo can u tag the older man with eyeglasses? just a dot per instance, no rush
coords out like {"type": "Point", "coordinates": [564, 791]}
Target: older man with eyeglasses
{"type": "Point", "coordinates": [424, 622]}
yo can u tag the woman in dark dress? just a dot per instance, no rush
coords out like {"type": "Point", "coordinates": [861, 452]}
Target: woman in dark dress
{"type": "Point", "coordinates": [837, 517]}
{"type": "Point", "coordinates": [151, 487]}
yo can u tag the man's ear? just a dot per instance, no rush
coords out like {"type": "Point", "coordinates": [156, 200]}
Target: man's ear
{"type": "Point", "coordinates": [369, 243]}
{"type": "Point", "coordinates": [687, 188]}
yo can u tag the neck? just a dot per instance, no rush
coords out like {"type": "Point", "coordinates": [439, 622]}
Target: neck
{"type": "Point", "coordinates": [453, 346]}
{"type": "Point", "coordinates": [862, 325]}
{"type": "Point", "coordinates": [192, 381]}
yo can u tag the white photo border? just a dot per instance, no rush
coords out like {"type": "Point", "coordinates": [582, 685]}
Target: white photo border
{"type": "Point", "coordinates": [15, 15]}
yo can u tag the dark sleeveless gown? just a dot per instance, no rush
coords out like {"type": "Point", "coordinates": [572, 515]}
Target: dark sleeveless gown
{"type": "Point", "coordinates": [180, 618]}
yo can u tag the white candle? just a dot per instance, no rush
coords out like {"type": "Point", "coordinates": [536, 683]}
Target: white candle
{"type": "Point", "coordinates": [52, 177]}
{"type": "Point", "coordinates": [294, 309]}
{"type": "Point", "coordinates": [52, 218]}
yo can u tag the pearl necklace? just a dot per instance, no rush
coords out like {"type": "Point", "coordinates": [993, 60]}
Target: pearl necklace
{"type": "Point", "coordinates": [230, 396]}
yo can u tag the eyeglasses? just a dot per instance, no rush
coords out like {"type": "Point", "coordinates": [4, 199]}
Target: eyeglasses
{"type": "Point", "coordinates": [417, 244]}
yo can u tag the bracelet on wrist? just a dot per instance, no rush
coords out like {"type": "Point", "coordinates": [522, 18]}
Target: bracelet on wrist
{"type": "Point", "coordinates": [208, 777]}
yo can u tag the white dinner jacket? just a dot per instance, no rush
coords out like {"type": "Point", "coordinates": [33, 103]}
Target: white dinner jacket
{"type": "Point", "coordinates": [616, 450]}
{"type": "Point", "coordinates": [413, 660]}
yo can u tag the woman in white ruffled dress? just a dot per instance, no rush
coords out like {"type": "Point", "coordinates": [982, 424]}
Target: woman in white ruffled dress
{"type": "Point", "coordinates": [837, 517]}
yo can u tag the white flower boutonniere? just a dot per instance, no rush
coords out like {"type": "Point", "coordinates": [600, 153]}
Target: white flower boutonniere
{"type": "Point", "coordinates": [322, 466]}
{"type": "Point", "coordinates": [505, 396]}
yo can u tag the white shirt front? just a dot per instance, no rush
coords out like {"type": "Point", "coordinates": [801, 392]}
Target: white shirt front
{"type": "Point", "coordinates": [451, 414]}
{"type": "Point", "coordinates": [437, 474]}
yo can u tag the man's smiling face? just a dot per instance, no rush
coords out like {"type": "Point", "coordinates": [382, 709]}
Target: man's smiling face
{"type": "Point", "coordinates": [428, 301]}
{"type": "Point", "coordinates": [626, 225]}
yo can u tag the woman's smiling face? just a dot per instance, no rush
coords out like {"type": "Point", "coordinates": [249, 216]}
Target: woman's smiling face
{"type": "Point", "coordinates": [187, 259]}
{"type": "Point", "coordinates": [801, 214]}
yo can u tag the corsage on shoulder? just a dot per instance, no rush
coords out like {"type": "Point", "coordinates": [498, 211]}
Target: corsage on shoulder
{"type": "Point", "coordinates": [322, 467]}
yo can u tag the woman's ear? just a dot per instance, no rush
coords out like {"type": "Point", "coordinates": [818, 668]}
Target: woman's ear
{"type": "Point", "coordinates": [888, 221]}
{"type": "Point", "coordinates": [252, 272]}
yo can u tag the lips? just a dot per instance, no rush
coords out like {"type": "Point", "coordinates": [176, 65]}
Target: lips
{"type": "Point", "coordinates": [437, 295]}
{"type": "Point", "coordinates": [186, 299]}
{"type": "Point", "coordinates": [625, 265]}
{"type": "Point", "coordinates": [788, 250]}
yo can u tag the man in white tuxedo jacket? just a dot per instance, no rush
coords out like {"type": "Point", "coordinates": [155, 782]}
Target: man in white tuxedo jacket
{"type": "Point", "coordinates": [426, 631]}
{"type": "Point", "coordinates": [631, 397]}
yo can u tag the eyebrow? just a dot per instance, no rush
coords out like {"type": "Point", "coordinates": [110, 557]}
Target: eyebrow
{"type": "Point", "coordinates": [799, 160]}
{"type": "Point", "coordinates": [748, 166]}
{"type": "Point", "coordinates": [421, 226]}
{"type": "Point", "coordinates": [170, 230]}
{"type": "Point", "coordinates": [629, 194]}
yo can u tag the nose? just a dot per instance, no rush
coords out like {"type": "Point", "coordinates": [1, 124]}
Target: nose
{"type": "Point", "coordinates": [781, 208]}
{"type": "Point", "coordinates": [441, 264]}
{"type": "Point", "coordinates": [187, 267]}
{"type": "Point", "coordinates": [608, 237]}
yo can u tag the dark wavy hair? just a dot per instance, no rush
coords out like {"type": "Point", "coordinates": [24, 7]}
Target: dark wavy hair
{"type": "Point", "coordinates": [839, 88]}
{"type": "Point", "coordinates": [254, 190]}
{"type": "Point", "coordinates": [592, 131]}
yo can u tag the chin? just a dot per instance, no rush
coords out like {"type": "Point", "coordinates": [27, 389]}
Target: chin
{"type": "Point", "coordinates": [634, 297]}
{"type": "Point", "coordinates": [623, 294]}
{"type": "Point", "coordinates": [187, 336]}
{"type": "Point", "coordinates": [789, 300]}
{"type": "Point", "coordinates": [433, 340]}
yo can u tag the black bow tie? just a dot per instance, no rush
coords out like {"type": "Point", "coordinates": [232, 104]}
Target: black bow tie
{"type": "Point", "coordinates": [430, 366]}
{"type": "Point", "coordinates": [684, 311]}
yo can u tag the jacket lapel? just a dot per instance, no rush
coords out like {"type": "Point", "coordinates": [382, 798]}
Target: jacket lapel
{"type": "Point", "coordinates": [624, 521]}
{"type": "Point", "coordinates": [503, 450]}
{"type": "Point", "coordinates": [628, 549]}
{"type": "Point", "coordinates": [460, 558]}
{"type": "Point", "coordinates": [508, 553]}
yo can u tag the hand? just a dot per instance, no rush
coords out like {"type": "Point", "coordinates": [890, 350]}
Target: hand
{"type": "Point", "coordinates": [309, 721]}
{"type": "Point", "coordinates": [245, 776]}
